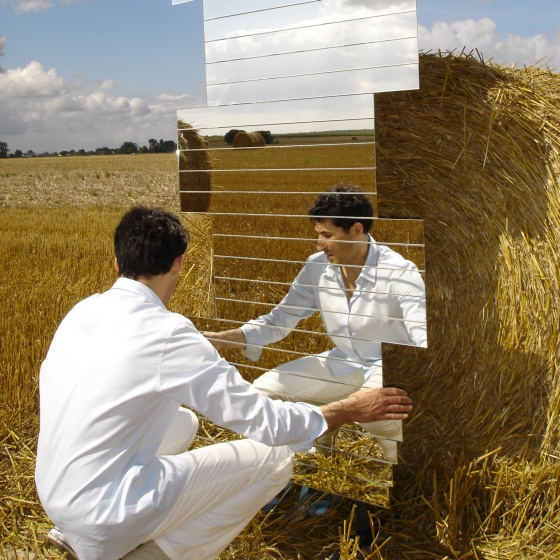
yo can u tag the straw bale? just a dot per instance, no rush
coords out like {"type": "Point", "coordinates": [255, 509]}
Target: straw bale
{"type": "Point", "coordinates": [248, 140]}
{"type": "Point", "coordinates": [194, 166]}
{"type": "Point", "coordinates": [474, 153]}
{"type": "Point", "coordinates": [195, 294]}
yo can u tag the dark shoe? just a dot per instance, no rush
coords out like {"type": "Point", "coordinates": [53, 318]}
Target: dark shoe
{"type": "Point", "coordinates": [277, 499]}
{"type": "Point", "coordinates": [315, 507]}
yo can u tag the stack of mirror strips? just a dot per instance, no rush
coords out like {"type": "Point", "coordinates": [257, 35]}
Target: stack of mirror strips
{"type": "Point", "coordinates": [307, 69]}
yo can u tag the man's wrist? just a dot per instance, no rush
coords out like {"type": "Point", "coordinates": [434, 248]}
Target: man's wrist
{"type": "Point", "coordinates": [336, 414]}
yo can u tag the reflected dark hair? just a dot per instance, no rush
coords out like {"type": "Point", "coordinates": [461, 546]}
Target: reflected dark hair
{"type": "Point", "coordinates": [147, 242]}
{"type": "Point", "coordinates": [344, 205]}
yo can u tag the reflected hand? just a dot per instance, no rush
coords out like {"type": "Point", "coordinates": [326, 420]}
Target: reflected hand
{"type": "Point", "coordinates": [232, 339]}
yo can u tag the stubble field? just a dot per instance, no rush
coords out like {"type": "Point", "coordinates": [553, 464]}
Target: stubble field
{"type": "Point", "coordinates": [56, 225]}
{"type": "Point", "coordinates": [479, 477]}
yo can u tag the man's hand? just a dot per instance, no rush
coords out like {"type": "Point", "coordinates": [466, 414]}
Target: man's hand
{"type": "Point", "coordinates": [234, 339]}
{"type": "Point", "coordinates": [368, 405]}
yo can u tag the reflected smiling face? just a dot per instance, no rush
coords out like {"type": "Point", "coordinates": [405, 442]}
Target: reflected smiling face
{"type": "Point", "coordinates": [340, 246]}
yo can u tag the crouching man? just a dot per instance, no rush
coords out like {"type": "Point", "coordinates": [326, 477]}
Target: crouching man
{"type": "Point", "coordinates": [113, 470]}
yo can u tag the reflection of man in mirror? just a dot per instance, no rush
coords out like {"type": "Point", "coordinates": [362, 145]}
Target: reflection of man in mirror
{"type": "Point", "coordinates": [366, 293]}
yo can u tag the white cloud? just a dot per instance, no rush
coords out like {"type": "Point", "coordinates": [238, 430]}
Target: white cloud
{"type": "Point", "coordinates": [384, 6]}
{"type": "Point", "coordinates": [23, 6]}
{"type": "Point", "coordinates": [39, 110]}
{"type": "Point", "coordinates": [107, 85]}
{"type": "Point", "coordinates": [182, 97]}
{"type": "Point", "coordinates": [29, 82]}
{"type": "Point", "coordinates": [482, 35]}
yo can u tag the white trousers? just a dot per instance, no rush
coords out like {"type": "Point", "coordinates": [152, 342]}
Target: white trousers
{"type": "Point", "coordinates": [227, 485]}
{"type": "Point", "coordinates": [310, 379]}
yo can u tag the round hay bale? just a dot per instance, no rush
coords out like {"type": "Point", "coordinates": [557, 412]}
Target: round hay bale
{"type": "Point", "coordinates": [475, 154]}
{"type": "Point", "coordinates": [248, 140]}
{"type": "Point", "coordinates": [195, 179]}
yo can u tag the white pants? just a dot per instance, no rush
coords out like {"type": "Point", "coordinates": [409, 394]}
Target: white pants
{"type": "Point", "coordinates": [310, 379]}
{"type": "Point", "coordinates": [228, 483]}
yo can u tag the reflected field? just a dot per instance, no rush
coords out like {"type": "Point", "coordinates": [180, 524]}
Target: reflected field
{"type": "Point", "coordinates": [256, 220]}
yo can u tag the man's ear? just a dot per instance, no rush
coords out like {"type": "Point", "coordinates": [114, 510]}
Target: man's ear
{"type": "Point", "coordinates": [177, 264]}
{"type": "Point", "coordinates": [116, 265]}
{"type": "Point", "coordinates": [357, 229]}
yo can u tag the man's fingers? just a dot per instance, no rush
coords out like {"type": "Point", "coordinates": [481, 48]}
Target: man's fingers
{"type": "Point", "coordinates": [402, 401]}
{"type": "Point", "coordinates": [394, 416]}
{"type": "Point", "coordinates": [393, 391]}
{"type": "Point", "coordinates": [397, 406]}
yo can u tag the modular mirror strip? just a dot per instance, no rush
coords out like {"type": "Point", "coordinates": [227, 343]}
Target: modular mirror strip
{"type": "Point", "coordinates": [289, 115]}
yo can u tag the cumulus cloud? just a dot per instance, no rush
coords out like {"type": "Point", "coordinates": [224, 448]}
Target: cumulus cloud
{"type": "Point", "coordinates": [482, 35]}
{"type": "Point", "coordinates": [181, 97]}
{"type": "Point", "coordinates": [30, 82]}
{"type": "Point", "coordinates": [42, 111]}
{"type": "Point", "coordinates": [23, 6]}
{"type": "Point", "coordinates": [380, 5]}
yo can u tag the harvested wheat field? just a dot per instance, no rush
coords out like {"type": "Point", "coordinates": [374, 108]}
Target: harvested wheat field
{"type": "Point", "coordinates": [475, 154]}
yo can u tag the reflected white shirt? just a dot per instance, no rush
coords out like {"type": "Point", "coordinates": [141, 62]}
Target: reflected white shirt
{"type": "Point", "coordinates": [117, 369]}
{"type": "Point", "coordinates": [388, 305]}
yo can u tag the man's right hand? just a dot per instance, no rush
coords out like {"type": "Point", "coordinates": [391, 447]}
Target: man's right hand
{"type": "Point", "coordinates": [368, 405]}
{"type": "Point", "coordinates": [233, 339]}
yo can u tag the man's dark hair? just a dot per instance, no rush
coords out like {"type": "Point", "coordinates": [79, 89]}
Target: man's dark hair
{"type": "Point", "coordinates": [344, 205]}
{"type": "Point", "coordinates": [147, 242]}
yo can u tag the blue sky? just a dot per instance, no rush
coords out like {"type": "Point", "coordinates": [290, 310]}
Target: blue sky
{"type": "Point", "coordinates": [91, 73]}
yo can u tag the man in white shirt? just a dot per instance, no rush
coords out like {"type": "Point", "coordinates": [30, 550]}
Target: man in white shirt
{"type": "Point", "coordinates": [366, 293]}
{"type": "Point", "coordinates": [112, 468]}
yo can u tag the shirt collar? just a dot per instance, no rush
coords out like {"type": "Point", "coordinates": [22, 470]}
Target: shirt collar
{"type": "Point", "coordinates": [368, 272]}
{"type": "Point", "coordinates": [129, 285]}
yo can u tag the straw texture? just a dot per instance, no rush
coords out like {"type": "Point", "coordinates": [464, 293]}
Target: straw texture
{"type": "Point", "coordinates": [194, 169]}
{"type": "Point", "coordinates": [474, 153]}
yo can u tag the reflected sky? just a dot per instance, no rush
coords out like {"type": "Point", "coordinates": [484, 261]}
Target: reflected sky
{"type": "Point", "coordinates": [278, 50]}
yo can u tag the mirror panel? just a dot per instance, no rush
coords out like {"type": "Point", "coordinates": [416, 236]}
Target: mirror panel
{"type": "Point", "coordinates": [328, 84]}
{"type": "Point", "coordinates": [309, 49]}
{"type": "Point", "coordinates": [215, 9]}
{"type": "Point", "coordinates": [254, 19]}
{"type": "Point", "coordinates": [312, 115]}
{"type": "Point", "coordinates": [295, 80]}
{"type": "Point", "coordinates": [335, 59]}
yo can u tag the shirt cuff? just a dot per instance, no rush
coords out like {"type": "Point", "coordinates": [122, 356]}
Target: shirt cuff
{"type": "Point", "coordinates": [320, 426]}
{"type": "Point", "coordinates": [254, 339]}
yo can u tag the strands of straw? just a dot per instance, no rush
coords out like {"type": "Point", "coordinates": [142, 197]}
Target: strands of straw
{"type": "Point", "coordinates": [193, 157]}
{"type": "Point", "coordinates": [475, 153]}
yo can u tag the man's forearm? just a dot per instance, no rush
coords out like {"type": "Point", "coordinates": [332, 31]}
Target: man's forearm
{"type": "Point", "coordinates": [232, 339]}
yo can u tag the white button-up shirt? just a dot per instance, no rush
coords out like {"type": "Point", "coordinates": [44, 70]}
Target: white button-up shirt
{"type": "Point", "coordinates": [117, 369]}
{"type": "Point", "coordinates": [388, 305]}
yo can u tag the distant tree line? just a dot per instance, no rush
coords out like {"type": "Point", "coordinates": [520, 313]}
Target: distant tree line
{"type": "Point", "coordinates": [154, 146]}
